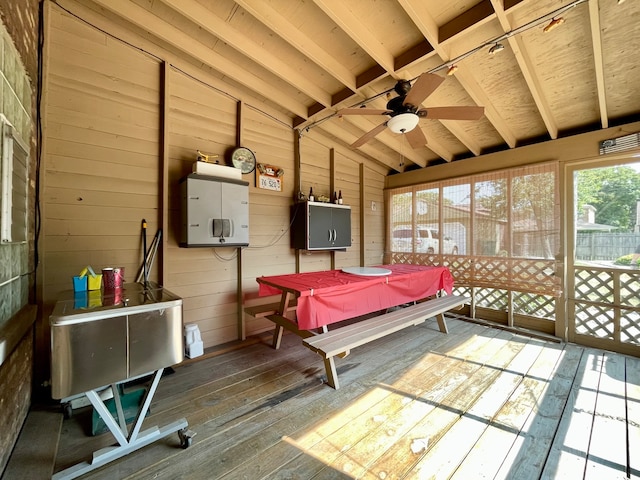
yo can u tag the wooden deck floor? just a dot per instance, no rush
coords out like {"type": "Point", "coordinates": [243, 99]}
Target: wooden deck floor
{"type": "Point", "coordinates": [476, 403]}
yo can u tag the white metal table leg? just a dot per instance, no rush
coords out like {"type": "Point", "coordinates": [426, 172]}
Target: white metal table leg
{"type": "Point", "coordinates": [135, 440]}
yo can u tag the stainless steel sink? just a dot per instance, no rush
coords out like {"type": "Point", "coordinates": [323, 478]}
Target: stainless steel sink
{"type": "Point", "coordinates": [100, 338]}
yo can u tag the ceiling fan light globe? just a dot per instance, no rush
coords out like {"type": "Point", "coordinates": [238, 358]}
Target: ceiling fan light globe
{"type": "Point", "coordinates": [402, 123]}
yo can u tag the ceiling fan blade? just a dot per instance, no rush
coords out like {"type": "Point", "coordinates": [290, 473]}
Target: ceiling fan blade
{"type": "Point", "coordinates": [369, 135]}
{"type": "Point", "coordinates": [424, 86]}
{"type": "Point", "coordinates": [362, 111]}
{"type": "Point", "coordinates": [452, 113]}
{"type": "Point", "coordinates": [416, 138]}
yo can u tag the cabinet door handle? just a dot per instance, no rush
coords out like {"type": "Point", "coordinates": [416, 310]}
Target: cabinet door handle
{"type": "Point", "coordinates": [335, 235]}
{"type": "Point", "coordinates": [330, 236]}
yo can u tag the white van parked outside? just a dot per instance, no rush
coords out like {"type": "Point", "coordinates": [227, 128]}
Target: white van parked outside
{"type": "Point", "coordinates": [427, 241]}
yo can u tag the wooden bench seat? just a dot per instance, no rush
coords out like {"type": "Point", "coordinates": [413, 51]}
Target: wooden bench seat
{"type": "Point", "coordinates": [338, 342]}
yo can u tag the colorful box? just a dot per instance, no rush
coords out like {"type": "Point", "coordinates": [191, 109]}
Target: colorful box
{"type": "Point", "coordinates": [94, 281]}
{"type": "Point", "coordinates": [80, 284]}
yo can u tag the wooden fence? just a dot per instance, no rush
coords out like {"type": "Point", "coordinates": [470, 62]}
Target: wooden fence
{"type": "Point", "coordinates": [605, 246]}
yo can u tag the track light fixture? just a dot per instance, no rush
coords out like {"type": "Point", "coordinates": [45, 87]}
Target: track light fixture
{"type": "Point", "coordinates": [555, 22]}
{"type": "Point", "coordinates": [620, 1]}
{"type": "Point", "coordinates": [496, 48]}
{"type": "Point", "coordinates": [452, 69]}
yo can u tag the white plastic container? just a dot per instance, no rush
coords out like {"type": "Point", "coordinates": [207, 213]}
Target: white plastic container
{"type": "Point", "coordinates": [215, 170]}
{"type": "Point", "coordinates": [193, 346]}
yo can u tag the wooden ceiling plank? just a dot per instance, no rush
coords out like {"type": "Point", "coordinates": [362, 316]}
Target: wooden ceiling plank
{"type": "Point", "coordinates": [422, 19]}
{"type": "Point", "coordinates": [341, 134]}
{"type": "Point", "coordinates": [508, 4]}
{"type": "Point", "coordinates": [387, 138]}
{"type": "Point", "coordinates": [177, 38]}
{"type": "Point", "coordinates": [476, 92]}
{"type": "Point", "coordinates": [418, 13]}
{"type": "Point", "coordinates": [537, 90]}
{"type": "Point", "coordinates": [321, 137]}
{"type": "Point", "coordinates": [338, 11]}
{"type": "Point", "coordinates": [370, 75]}
{"type": "Point", "coordinates": [93, 14]}
{"type": "Point", "coordinates": [315, 109]}
{"type": "Point", "coordinates": [464, 137]}
{"type": "Point", "coordinates": [596, 40]}
{"type": "Point", "coordinates": [439, 149]}
{"type": "Point", "coordinates": [216, 26]}
{"type": "Point", "coordinates": [528, 71]}
{"type": "Point", "coordinates": [299, 40]}
{"type": "Point", "coordinates": [474, 17]}
{"type": "Point", "coordinates": [342, 95]}
{"type": "Point", "coordinates": [511, 4]}
{"type": "Point", "coordinates": [417, 52]}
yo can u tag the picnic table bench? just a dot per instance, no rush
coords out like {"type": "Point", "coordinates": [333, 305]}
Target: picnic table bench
{"type": "Point", "coordinates": [329, 297]}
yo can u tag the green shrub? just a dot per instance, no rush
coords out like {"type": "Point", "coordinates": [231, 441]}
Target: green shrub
{"type": "Point", "coordinates": [626, 260]}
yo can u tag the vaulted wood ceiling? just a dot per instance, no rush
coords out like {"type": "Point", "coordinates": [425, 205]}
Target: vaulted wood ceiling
{"type": "Point", "coordinates": [307, 59]}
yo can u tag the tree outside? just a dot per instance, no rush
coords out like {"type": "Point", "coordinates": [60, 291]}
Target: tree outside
{"type": "Point", "coordinates": [613, 192]}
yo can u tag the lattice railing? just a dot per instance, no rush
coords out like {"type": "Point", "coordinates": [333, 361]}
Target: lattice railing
{"type": "Point", "coordinates": [488, 280]}
{"type": "Point", "coordinates": [607, 303]}
{"type": "Point", "coordinates": [516, 274]}
{"type": "Point", "coordinates": [542, 306]}
{"type": "Point", "coordinates": [492, 298]}
{"type": "Point", "coordinates": [595, 320]}
{"type": "Point", "coordinates": [630, 326]}
{"type": "Point", "coordinates": [607, 300]}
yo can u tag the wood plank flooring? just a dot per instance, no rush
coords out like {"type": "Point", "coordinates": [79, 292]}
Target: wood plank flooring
{"type": "Point", "coordinates": [476, 403]}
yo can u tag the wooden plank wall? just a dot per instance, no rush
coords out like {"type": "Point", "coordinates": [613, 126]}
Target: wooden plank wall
{"type": "Point", "coordinates": [103, 164]}
{"type": "Point", "coordinates": [202, 117]}
{"type": "Point", "coordinates": [199, 118]}
{"type": "Point", "coordinates": [101, 153]}
{"type": "Point", "coordinates": [372, 210]}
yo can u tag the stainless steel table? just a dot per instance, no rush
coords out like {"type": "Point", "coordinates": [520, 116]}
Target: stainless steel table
{"type": "Point", "coordinates": [102, 339]}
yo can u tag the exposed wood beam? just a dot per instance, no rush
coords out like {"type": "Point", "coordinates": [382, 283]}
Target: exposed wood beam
{"type": "Point", "coordinates": [464, 137]}
{"type": "Point", "coordinates": [416, 53]}
{"type": "Point", "coordinates": [471, 18]}
{"type": "Point", "coordinates": [476, 92]}
{"type": "Point", "coordinates": [216, 26]}
{"type": "Point", "coordinates": [350, 153]}
{"type": "Point", "coordinates": [528, 71]}
{"type": "Point", "coordinates": [421, 17]}
{"type": "Point", "coordinates": [386, 137]}
{"type": "Point", "coordinates": [537, 90]}
{"type": "Point", "coordinates": [339, 12]}
{"type": "Point", "coordinates": [417, 11]}
{"type": "Point", "coordinates": [299, 40]}
{"type": "Point", "coordinates": [509, 4]}
{"type": "Point", "coordinates": [370, 75]}
{"type": "Point", "coordinates": [436, 147]}
{"type": "Point", "coordinates": [146, 21]}
{"type": "Point", "coordinates": [94, 14]}
{"type": "Point", "coordinates": [596, 40]}
{"type": "Point", "coordinates": [332, 129]}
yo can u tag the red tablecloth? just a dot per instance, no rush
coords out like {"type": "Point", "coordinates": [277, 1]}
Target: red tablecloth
{"type": "Point", "coordinates": [331, 296]}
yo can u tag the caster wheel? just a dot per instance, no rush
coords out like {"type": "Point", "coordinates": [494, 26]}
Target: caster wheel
{"type": "Point", "coordinates": [186, 437]}
{"type": "Point", "coordinates": [67, 410]}
{"type": "Point", "coordinates": [186, 443]}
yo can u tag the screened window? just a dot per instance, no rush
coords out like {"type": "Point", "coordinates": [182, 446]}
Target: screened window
{"type": "Point", "coordinates": [507, 222]}
{"type": "Point", "coordinates": [13, 188]}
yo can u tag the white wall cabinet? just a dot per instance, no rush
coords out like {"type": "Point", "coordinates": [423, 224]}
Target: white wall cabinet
{"type": "Point", "coordinates": [215, 212]}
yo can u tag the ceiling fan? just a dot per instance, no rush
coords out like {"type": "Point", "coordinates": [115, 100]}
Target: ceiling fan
{"type": "Point", "coordinates": [405, 111]}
